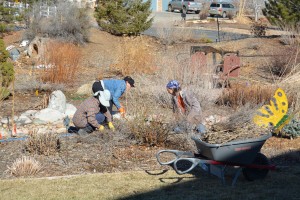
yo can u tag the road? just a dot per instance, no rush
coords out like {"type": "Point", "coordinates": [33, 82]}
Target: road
{"type": "Point", "coordinates": [163, 20]}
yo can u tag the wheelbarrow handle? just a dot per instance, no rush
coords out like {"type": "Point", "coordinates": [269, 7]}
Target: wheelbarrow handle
{"type": "Point", "coordinates": [194, 161]}
{"type": "Point", "coordinates": [177, 154]}
{"type": "Point", "coordinates": [203, 163]}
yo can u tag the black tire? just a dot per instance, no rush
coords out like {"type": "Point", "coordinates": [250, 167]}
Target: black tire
{"type": "Point", "coordinates": [252, 174]}
{"type": "Point", "coordinates": [224, 15]}
{"type": "Point", "coordinates": [170, 8]}
{"type": "Point", "coordinates": [211, 15]}
{"type": "Point", "coordinates": [197, 12]}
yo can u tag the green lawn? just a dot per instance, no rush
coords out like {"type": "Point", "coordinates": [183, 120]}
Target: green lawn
{"type": "Point", "coordinates": [283, 184]}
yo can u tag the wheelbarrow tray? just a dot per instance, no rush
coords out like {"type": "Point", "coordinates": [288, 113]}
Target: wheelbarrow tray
{"type": "Point", "coordinates": [240, 152]}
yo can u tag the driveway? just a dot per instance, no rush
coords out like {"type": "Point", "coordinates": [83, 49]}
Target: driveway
{"type": "Point", "coordinates": [172, 20]}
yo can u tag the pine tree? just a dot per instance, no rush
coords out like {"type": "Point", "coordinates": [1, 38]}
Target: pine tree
{"type": "Point", "coordinates": [283, 12]}
{"type": "Point", "coordinates": [121, 17]}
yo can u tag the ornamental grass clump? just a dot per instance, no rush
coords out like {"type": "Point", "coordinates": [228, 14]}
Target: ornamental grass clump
{"type": "Point", "coordinates": [25, 166]}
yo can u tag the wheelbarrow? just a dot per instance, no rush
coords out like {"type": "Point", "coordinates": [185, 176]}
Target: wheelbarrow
{"type": "Point", "coordinates": [241, 155]}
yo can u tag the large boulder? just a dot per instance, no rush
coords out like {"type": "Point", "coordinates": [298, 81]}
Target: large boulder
{"type": "Point", "coordinates": [57, 101]}
{"type": "Point", "coordinates": [70, 110]}
{"type": "Point", "coordinates": [49, 115]}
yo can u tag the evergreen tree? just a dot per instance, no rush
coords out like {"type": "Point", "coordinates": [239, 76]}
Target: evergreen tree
{"type": "Point", "coordinates": [283, 12]}
{"type": "Point", "coordinates": [6, 71]}
{"type": "Point", "coordinates": [122, 17]}
{"type": "Point", "coordinates": [6, 68]}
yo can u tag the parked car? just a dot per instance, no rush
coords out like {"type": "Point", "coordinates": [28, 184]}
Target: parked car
{"type": "Point", "coordinates": [222, 9]}
{"type": "Point", "coordinates": [184, 6]}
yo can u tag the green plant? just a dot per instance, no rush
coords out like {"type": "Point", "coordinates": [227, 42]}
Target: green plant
{"type": "Point", "coordinates": [292, 129]}
{"type": "Point", "coordinates": [6, 14]}
{"type": "Point", "coordinates": [282, 12]}
{"type": "Point", "coordinates": [205, 40]}
{"type": "Point", "coordinates": [4, 93]}
{"type": "Point", "coordinates": [124, 17]}
{"type": "Point", "coordinates": [6, 71]}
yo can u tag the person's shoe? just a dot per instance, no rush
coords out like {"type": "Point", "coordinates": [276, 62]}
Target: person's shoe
{"type": "Point", "coordinates": [82, 132]}
{"type": "Point", "coordinates": [72, 129]}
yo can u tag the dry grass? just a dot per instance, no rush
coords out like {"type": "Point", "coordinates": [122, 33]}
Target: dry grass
{"type": "Point", "coordinates": [243, 20]}
{"type": "Point", "coordinates": [290, 61]}
{"type": "Point", "coordinates": [42, 143]}
{"type": "Point", "coordinates": [149, 133]}
{"type": "Point", "coordinates": [242, 94]}
{"type": "Point", "coordinates": [159, 184]}
{"type": "Point", "coordinates": [25, 166]}
{"type": "Point", "coordinates": [63, 60]}
{"type": "Point", "coordinates": [136, 58]}
{"type": "Point", "coordinates": [170, 35]}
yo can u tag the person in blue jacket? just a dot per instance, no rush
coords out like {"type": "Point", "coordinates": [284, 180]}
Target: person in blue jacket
{"type": "Point", "coordinates": [116, 88]}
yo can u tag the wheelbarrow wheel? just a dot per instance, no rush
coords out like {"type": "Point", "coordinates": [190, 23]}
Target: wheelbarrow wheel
{"type": "Point", "coordinates": [252, 174]}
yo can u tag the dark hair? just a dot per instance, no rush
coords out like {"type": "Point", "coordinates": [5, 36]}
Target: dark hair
{"type": "Point", "coordinates": [129, 80]}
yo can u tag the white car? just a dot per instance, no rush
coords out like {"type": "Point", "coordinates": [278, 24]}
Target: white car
{"type": "Point", "coordinates": [222, 9]}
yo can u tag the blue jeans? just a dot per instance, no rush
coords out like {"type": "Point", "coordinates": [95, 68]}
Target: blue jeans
{"type": "Point", "coordinates": [100, 117]}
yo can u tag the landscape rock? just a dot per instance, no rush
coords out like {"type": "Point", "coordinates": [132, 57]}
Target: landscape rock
{"type": "Point", "coordinates": [43, 130]}
{"type": "Point", "coordinates": [57, 101]}
{"type": "Point", "coordinates": [39, 122]}
{"type": "Point", "coordinates": [49, 115]}
{"type": "Point", "coordinates": [29, 113]}
{"type": "Point", "coordinates": [5, 120]}
{"type": "Point", "coordinates": [70, 110]}
{"type": "Point", "coordinates": [61, 130]}
{"type": "Point", "coordinates": [24, 120]}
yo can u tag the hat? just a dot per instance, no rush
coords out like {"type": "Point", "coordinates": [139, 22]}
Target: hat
{"type": "Point", "coordinates": [129, 80]}
{"type": "Point", "coordinates": [173, 84]}
{"type": "Point", "coordinates": [97, 86]}
{"type": "Point", "coordinates": [104, 97]}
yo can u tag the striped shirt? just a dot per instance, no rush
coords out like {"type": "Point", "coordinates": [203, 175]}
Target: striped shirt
{"type": "Point", "coordinates": [86, 113]}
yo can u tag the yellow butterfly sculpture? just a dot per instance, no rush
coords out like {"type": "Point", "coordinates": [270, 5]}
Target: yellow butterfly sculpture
{"type": "Point", "coordinates": [274, 116]}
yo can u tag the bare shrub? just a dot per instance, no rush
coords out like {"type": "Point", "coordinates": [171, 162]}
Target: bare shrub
{"type": "Point", "coordinates": [230, 15]}
{"type": "Point", "coordinates": [26, 82]}
{"type": "Point", "coordinates": [285, 62]}
{"type": "Point", "coordinates": [242, 115]}
{"type": "Point", "coordinates": [242, 94]}
{"type": "Point", "coordinates": [136, 58]}
{"type": "Point", "coordinates": [291, 36]}
{"type": "Point", "coordinates": [258, 29]}
{"type": "Point", "coordinates": [66, 21]}
{"type": "Point", "coordinates": [63, 60]}
{"type": "Point", "coordinates": [170, 35]}
{"type": "Point", "coordinates": [204, 13]}
{"type": "Point", "coordinates": [42, 143]}
{"type": "Point", "coordinates": [151, 133]}
{"type": "Point", "coordinates": [25, 166]}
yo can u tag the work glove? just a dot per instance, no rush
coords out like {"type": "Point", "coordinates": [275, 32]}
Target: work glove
{"type": "Point", "coordinates": [101, 128]}
{"type": "Point", "coordinates": [111, 126]}
{"type": "Point", "coordinates": [122, 111]}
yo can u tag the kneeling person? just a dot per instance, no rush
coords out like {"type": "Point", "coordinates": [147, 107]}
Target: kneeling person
{"type": "Point", "coordinates": [93, 113]}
